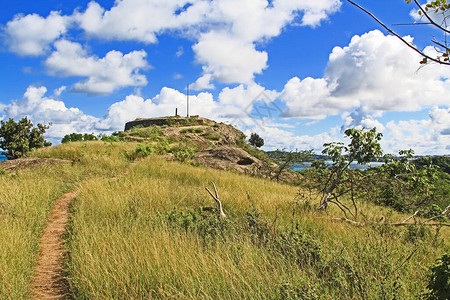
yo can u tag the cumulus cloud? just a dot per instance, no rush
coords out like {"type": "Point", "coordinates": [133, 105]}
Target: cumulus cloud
{"type": "Point", "coordinates": [32, 34]}
{"type": "Point", "coordinates": [57, 92]}
{"type": "Point", "coordinates": [203, 83]}
{"type": "Point", "coordinates": [45, 110]}
{"type": "Point", "coordinates": [374, 71]}
{"type": "Point", "coordinates": [104, 75]}
{"type": "Point", "coordinates": [424, 136]}
{"type": "Point", "coordinates": [228, 59]}
{"type": "Point", "coordinates": [225, 32]}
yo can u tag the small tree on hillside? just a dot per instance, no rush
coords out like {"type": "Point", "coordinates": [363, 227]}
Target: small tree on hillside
{"type": "Point", "coordinates": [397, 183]}
{"type": "Point", "coordinates": [255, 140]}
{"type": "Point", "coordinates": [286, 160]}
{"type": "Point", "coordinates": [21, 137]}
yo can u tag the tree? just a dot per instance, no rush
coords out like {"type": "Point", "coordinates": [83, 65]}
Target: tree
{"type": "Point", "coordinates": [78, 137]}
{"type": "Point", "coordinates": [21, 137]}
{"type": "Point", "coordinates": [441, 10]}
{"type": "Point", "coordinates": [397, 183]}
{"type": "Point", "coordinates": [286, 160]}
{"type": "Point", "coordinates": [255, 140]}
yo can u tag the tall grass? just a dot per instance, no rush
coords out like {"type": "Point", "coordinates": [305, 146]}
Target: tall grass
{"type": "Point", "coordinates": [26, 197]}
{"type": "Point", "coordinates": [144, 236]}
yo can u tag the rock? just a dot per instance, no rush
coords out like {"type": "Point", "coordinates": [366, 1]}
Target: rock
{"type": "Point", "coordinates": [229, 158]}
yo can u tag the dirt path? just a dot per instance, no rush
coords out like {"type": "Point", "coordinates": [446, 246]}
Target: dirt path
{"type": "Point", "coordinates": [49, 281]}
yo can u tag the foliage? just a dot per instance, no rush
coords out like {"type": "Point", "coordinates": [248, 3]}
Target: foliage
{"type": "Point", "coordinates": [255, 140]}
{"type": "Point", "coordinates": [20, 138]}
{"type": "Point", "coordinates": [286, 160]}
{"type": "Point", "coordinates": [212, 135]}
{"type": "Point", "coordinates": [183, 152]}
{"type": "Point", "coordinates": [443, 162]}
{"type": "Point", "coordinates": [110, 138]}
{"type": "Point", "coordinates": [78, 137]}
{"type": "Point", "coordinates": [191, 130]}
{"type": "Point", "coordinates": [397, 183]}
{"type": "Point", "coordinates": [141, 151]}
{"type": "Point", "coordinates": [150, 132]}
{"type": "Point", "coordinates": [439, 280]}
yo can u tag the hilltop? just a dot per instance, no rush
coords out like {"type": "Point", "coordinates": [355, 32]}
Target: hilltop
{"type": "Point", "coordinates": [216, 145]}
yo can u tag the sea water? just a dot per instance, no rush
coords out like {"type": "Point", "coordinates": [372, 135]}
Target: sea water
{"type": "Point", "coordinates": [353, 165]}
{"type": "Point", "coordinates": [2, 157]}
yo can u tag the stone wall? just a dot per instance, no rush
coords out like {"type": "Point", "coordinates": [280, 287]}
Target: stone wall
{"type": "Point", "coordinates": [169, 121]}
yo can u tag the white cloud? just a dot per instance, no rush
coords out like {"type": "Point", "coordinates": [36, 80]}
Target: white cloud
{"type": "Point", "coordinates": [308, 98]}
{"type": "Point", "coordinates": [57, 92]}
{"type": "Point", "coordinates": [203, 83]}
{"type": "Point", "coordinates": [179, 52]}
{"type": "Point", "coordinates": [44, 110]}
{"type": "Point", "coordinates": [104, 75]}
{"type": "Point", "coordinates": [32, 34]}
{"type": "Point", "coordinates": [225, 32]}
{"type": "Point", "coordinates": [163, 104]}
{"type": "Point", "coordinates": [425, 136]}
{"type": "Point", "coordinates": [374, 71]}
{"type": "Point", "coordinates": [228, 59]}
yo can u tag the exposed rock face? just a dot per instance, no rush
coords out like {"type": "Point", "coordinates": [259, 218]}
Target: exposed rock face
{"type": "Point", "coordinates": [218, 145]}
{"type": "Point", "coordinates": [229, 158]}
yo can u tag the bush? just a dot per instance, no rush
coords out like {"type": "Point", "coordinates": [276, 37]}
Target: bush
{"type": "Point", "coordinates": [191, 130]}
{"type": "Point", "coordinates": [151, 132]}
{"type": "Point", "coordinates": [183, 152]}
{"type": "Point", "coordinates": [439, 280]}
{"type": "Point", "coordinates": [141, 151]}
{"type": "Point", "coordinates": [211, 135]}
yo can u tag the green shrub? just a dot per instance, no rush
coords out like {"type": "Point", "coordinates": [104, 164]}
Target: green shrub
{"type": "Point", "coordinates": [141, 151]}
{"type": "Point", "coordinates": [151, 132]}
{"type": "Point", "coordinates": [206, 225]}
{"type": "Point", "coordinates": [183, 152]}
{"type": "Point", "coordinates": [110, 138]}
{"type": "Point", "coordinates": [191, 130]}
{"type": "Point", "coordinates": [439, 280]}
{"type": "Point", "coordinates": [212, 135]}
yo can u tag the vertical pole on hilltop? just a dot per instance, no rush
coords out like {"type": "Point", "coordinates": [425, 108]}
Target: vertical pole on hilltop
{"type": "Point", "coordinates": [187, 101]}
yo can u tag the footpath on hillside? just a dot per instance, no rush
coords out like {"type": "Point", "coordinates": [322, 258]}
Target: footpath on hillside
{"type": "Point", "coordinates": [49, 280]}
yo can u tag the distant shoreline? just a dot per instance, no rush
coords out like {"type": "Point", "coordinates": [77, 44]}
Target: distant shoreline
{"type": "Point", "coordinates": [298, 167]}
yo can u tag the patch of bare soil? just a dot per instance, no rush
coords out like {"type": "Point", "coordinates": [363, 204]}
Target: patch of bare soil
{"type": "Point", "coordinates": [49, 281]}
{"type": "Point", "coordinates": [22, 163]}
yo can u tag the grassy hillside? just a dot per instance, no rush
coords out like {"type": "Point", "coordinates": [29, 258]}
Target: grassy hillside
{"type": "Point", "coordinates": [138, 232]}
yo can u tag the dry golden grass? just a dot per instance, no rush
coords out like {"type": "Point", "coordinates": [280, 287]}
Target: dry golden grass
{"type": "Point", "coordinates": [141, 235]}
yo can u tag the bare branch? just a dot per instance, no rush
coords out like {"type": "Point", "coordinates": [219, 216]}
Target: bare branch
{"type": "Point", "coordinates": [446, 212]}
{"type": "Point", "coordinates": [398, 36]}
{"type": "Point", "coordinates": [222, 215]}
{"type": "Point", "coordinates": [410, 217]}
{"type": "Point", "coordinates": [429, 19]}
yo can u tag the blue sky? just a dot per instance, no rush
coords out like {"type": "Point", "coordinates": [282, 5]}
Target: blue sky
{"type": "Point", "coordinates": [297, 72]}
